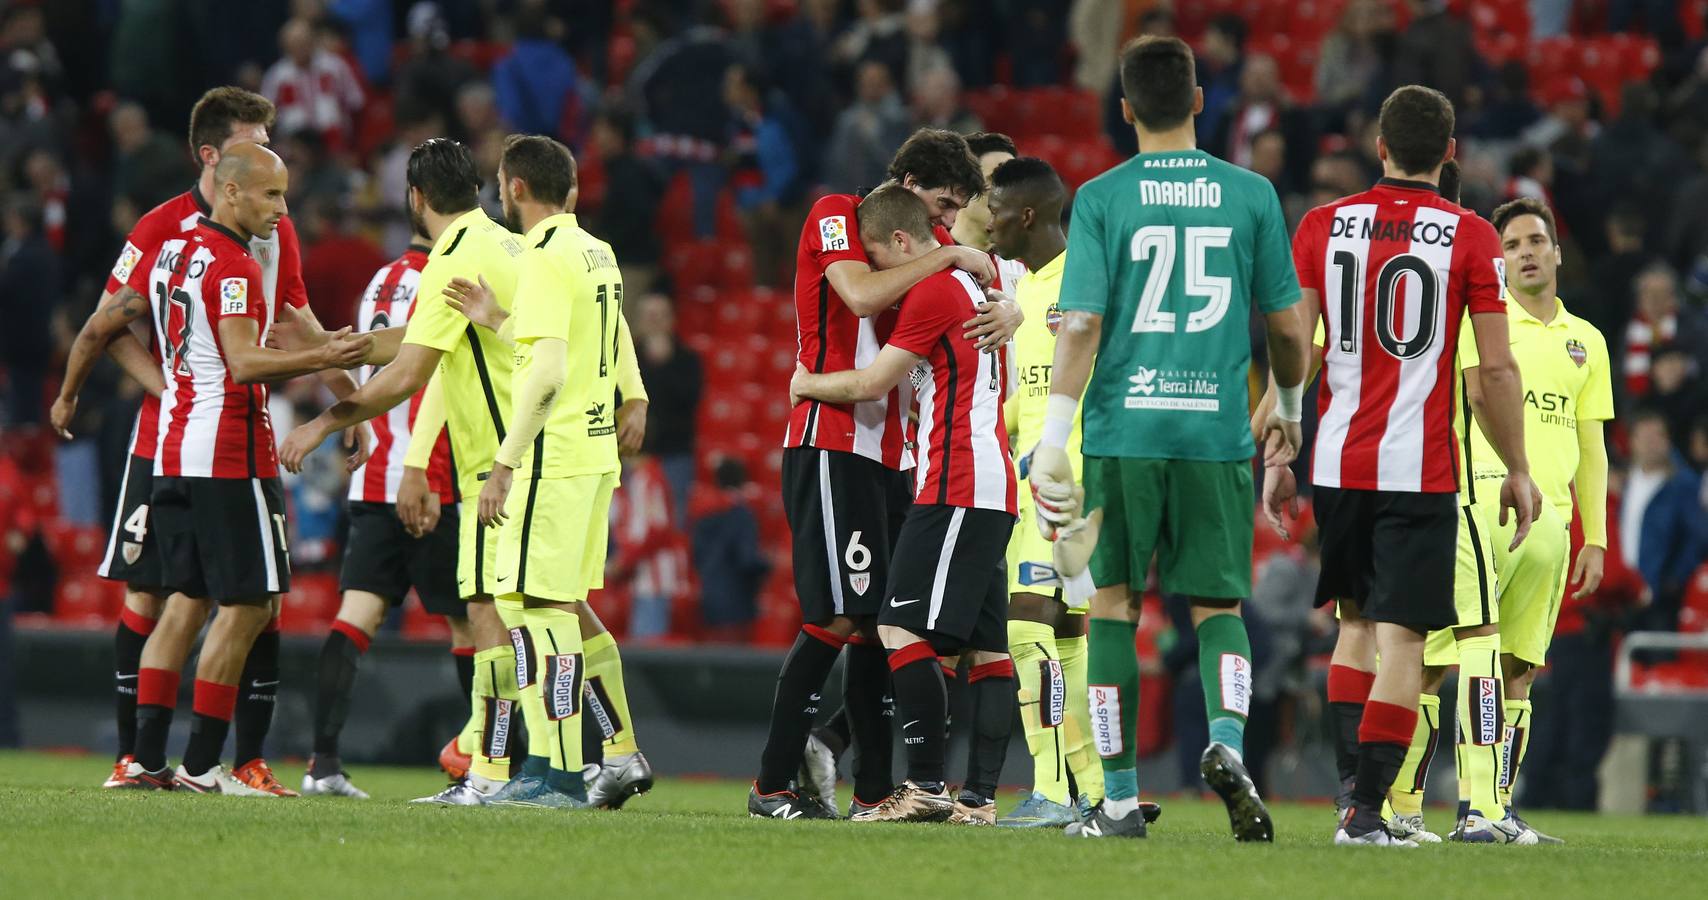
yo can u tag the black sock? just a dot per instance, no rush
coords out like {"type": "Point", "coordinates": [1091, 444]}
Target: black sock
{"type": "Point", "coordinates": [922, 705]}
{"type": "Point", "coordinates": [465, 670]}
{"type": "Point", "coordinates": [257, 693]}
{"type": "Point", "coordinates": [339, 657]}
{"type": "Point", "coordinates": [795, 706]}
{"type": "Point", "coordinates": [1378, 766]}
{"type": "Point", "coordinates": [867, 712]}
{"type": "Point", "coordinates": [1347, 717]}
{"type": "Point", "coordinates": [207, 738]}
{"type": "Point", "coordinates": [127, 653]}
{"type": "Point", "coordinates": [993, 704]}
{"type": "Point", "coordinates": [153, 726]}
{"type": "Point", "coordinates": [836, 732]}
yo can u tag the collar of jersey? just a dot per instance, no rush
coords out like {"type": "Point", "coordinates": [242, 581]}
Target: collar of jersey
{"type": "Point", "coordinates": [1408, 184]}
{"type": "Point", "coordinates": [555, 220]}
{"type": "Point", "coordinates": [1519, 313]}
{"type": "Point", "coordinates": [211, 225]}
{"type": "Point", "coordinates": [1052, 269]}
{"type": "Point", "coordinates": [201, 202]}
{"type": "Point", "coordinates": [466, 220]}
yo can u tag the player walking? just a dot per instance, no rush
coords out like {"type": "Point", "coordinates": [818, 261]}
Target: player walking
{"type": "Point", "coordinates": [218, 505]}
{"type": "Point", "coordinates": [1167, 253]}
{"type": "Point", "coordinates": [1399, 267]}
{"type": "Point", "coordinates": [947, 590]}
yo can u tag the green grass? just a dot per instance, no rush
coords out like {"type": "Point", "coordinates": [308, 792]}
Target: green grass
{"type": "Point", "coordinates": [60, 836]}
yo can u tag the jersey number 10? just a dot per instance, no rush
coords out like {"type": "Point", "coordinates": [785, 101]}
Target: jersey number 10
{"type": "Point", "coordinates": [1157, 243]}
{"type": "Point", "coordinates": [1387, 297]}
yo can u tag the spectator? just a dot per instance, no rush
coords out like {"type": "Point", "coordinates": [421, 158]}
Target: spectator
{"type": "Point", "coordinates": [1095, 28]}
{"type": "Point", "coordinates": [765, 172]}
{"type": "Point", "coordinates": [678, 91]}
{"type": "Point", "coordinates": [1675, 391]}
{"type": "Point", "coordinates": [1610, 297]}
{"type": "Point", "coordinates": [1508, 112]}
{"type": "Point", "coordinates": [1352, 64]}
{"type": "Point", "coordinates": [369, 25]}
{"type": "Point", "coordinates": [29, 283]}
{"type": "Point", "coordinates": [879, 34]}
{"type": "Point", "coordinates": [1686, 243]}
{"type": "Point", "coordinates": [867, 133]}
{"type": "Point", "coordinates": [1034, 33]}
{"type": "Point", "coordinates": [477, 112]}
{"type": "Point", "coordinates": [536, 81]}
{"type": "Point", "coordinates": [937, 103]}
{"type": "Point", "coordinates": [429, 77]}
{"type": "Point", "coordinates": [316, 175]}
{"type": "Point", "coordinates": [971, 35]}
{"type": "Point", "coordinates": [336, 263]}
{"type": "Point", "coordinates": [924, 54]}
{"type": "Point", "coordinates": [1220, 66]}
{"type": "Point", "coordinates": [52, 188]}
{"type": "Point", "coordinates": [728, 558]}
{"type": "Point", "coordinates": [1269, 159]}
{"type": "Point", "coordinates": [1261, 105]}
{"type": "Point", "coordinates": [1662, 519]}
{"type": "Point", "coordinates": [672, 374]}
{"type": "Point", "coordinates": [1530, 174]}
{"type": "Point", "coordinates": [1659, 320]}
{"type": "Point", "coordinates": [313, 88]}
{"type": "Point", "coordinates": [633, 189]}
{"type": "Point", "coordinates": [648, 554]}
{"type": "Point", "coordinates": [1632, 158]}
{"type": "Point", "coordinates": [792, 59]}
{"type": "Point", "coordinates": [147, 165]}
{"type": "Point", "coordinates": [1436, 49]}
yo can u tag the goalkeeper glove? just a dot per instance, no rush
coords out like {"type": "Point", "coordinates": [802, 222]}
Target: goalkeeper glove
{"type": "Point", "coordinates": [1074, 543]}
{"type": "Point", "coordinates": [1058, 499]}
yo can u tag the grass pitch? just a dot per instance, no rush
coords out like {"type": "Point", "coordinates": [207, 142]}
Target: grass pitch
{"type": "Point", "coordinates": [61, 837]}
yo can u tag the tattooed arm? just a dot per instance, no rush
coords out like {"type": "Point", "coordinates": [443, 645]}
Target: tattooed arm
{"type": "Point", "coordinates": [109, 320]}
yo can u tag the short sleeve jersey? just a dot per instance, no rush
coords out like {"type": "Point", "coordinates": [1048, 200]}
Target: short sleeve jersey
{"type": "Point", "coordinates": [1397, 268]}
{"type": "Point", "coordinates": [1567, 380]}
{"type": "Point", "coordinates": [962, 456]}
{"type": "Point", "coordinates": [831, 338]}
{"type": "Point", "coordinates": [1034, 354]}
{"type": "Point", "coordinates": [1173, 250]}
{"type": "Point", "coordinates": [568, 287]}
{"type": "Point", "coordinates": [475, 369]}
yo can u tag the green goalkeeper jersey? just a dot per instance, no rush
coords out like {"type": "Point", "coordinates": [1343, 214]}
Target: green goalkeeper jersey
{"type": "Point", "coordinates": [1173, 249]}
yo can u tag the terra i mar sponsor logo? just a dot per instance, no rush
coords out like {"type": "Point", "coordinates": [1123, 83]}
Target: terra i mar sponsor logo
{"type": "Point", "coordinates": [1192, 390]}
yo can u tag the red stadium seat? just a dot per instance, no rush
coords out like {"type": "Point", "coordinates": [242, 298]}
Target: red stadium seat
{"type": "Point", "coordinates": [311, 604]}
{"type": "Point", "coordinates": [87, 600]}
{"type": "Point", "coordinates": [419, 624]}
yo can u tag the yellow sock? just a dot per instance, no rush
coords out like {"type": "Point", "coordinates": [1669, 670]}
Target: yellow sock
{"type": "Point", "coordinates": [480, 690]}
{"type": "Point", "coordinates": [1406, 796]}
{"type": "Point", "coordinates": [492, 757]}
{"type": "Point", "coordinates": [526, 677]}
{"type": "Point", "coordinates": [607, 699]}
{"type": "Point", "coordinates": [1043, 705]}
{"type": "Point", "coordinates": [1513, 748]}
{"type": "Point", "coordinates": [1082, 758]}
{"type": "Point", "coordinates": [556, 636]}
{"type": "Point", "coordinates": [1481, 731]}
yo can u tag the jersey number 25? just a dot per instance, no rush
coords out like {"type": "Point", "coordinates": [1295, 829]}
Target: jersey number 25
{"type": "Point", "coordinates": [1158, 243]}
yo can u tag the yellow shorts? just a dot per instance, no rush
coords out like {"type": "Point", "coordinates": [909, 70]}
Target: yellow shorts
{"type": "Point", "coordinates": [1532, 579]}
{"type": "Point", "coordinates": [1031, 567]}
{"type": "Point", "coordinates": [477, 547]}
{"type": "Point", "coordinates": [553, 540]}
{"type": "Point", "coordinates": [1475, 587]}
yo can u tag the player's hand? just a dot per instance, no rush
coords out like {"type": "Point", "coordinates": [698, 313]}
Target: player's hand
{"type": "Point", "coordinates": [296, 330]}
{"type": "Point", "coordinates": [357, 439]}
{"type": "Point", "coordinates": [973, 262]}
{"type": "Point", "coordinates": [795, 397]}
{"type": "Point", "coordinates": [300, 443]}
{"type": "Point", "coordinates": [417, 507]}
{"type": "Point", "coordinates": [1280, 499]}
{"type": "Point", "coordinates": [1281, 440]}
{"type": "Point", "coordinates": [1071, 550]}
{"type": "Point", "coordinates": [476, 301]}
{"type": "Point", "coordinates": [60, 415]}
{"type": "Point", "coordinates": [996, 322]}
{"type": "Point", "coordinates": [631, 426]}
{"type": "Point", "coordinates": [1586, 575]}
{"type": "Point", "coordinates": [1057, 498]}
{"type": "Point", "coordinates": [344, 350]}
{"type": "Point", "coordinates": [493, 494]}
{"type": "Point", "coordinates": [1520, 496]}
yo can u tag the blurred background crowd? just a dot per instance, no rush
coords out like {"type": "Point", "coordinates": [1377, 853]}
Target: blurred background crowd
{"type": "Point", "coordinates": [704, 129]}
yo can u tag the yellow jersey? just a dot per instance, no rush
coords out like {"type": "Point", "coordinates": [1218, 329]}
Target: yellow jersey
{"type": "Point", "coordinates": [1567, 377]}
{"type": "Point", "coordinates": [1034, 353]}
{"type": "Point", "coordinates": [568, 287]}
{"type": "Point", "coordinates": [474, 373]}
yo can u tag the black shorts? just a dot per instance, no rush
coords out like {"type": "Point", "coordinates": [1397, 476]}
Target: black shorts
{"type": "Point", "coordinates": [1392, 552]}
{"type": "Point", "coordinates": [223, 539]}
{"type": "Point", "coordinates": [844, 512]}
{"type": "Point", "coordinates": [949, 580]}
{"type": "Point", "coordinates": [133, 550]}
{"type": "Point", "coordinates": [380, 557]}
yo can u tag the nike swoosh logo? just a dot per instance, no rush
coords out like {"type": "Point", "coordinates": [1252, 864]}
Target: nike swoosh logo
{"type": "Point", "coordinates": [894, 603]}
{"type": "Point", "coordinates": [262, 684]}
{"type": "Point", "coordinates": [911, 724]}
{"type": "Point", "coordinates": [123, 677]}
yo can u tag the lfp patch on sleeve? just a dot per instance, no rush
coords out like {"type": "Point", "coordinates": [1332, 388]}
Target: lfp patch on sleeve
{"type": "Point", "coordinates": [128, 258]}
{"type": "Point", "coordinates": [233, 296]}
{"type": "Point", "coordinates": [833, 233]}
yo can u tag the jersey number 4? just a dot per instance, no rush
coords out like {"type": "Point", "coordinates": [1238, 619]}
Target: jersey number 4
{"type": "Point", "coordinates": [1157, 244]}
{"type": "Point", "coordinates": [1388, 283]}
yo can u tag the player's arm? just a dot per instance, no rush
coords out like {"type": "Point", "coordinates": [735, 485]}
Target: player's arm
{"type": "Point", "coordinates": [869, 291]}
{"type": "Point", "coordinates": [631, 416]}
{"type": "Point", "coordinates": [127, 350]}
{"type": "Point", "coordinates": [535, 398]}
{"type": "Point", "coordinates": [417, 506]}
{"type": "Point", "coordinates": [854, 385]}
{"type": "Point", "coordinates": [1590, 484]}
{"type": "Point", "coordinates": [390, 386]}
{"type": "Point", "coordinates": [112, 315]}
{"type": "Point", "coordinates": [252, 363]}
{"type": "Point", "coordinates": [475, 300]}
{"type": "Point", "coordinates": [1289, 312]}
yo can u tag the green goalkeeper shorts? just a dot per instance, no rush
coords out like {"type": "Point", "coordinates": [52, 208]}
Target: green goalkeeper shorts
{"type": "Point", "coordinates": [1194, 517]}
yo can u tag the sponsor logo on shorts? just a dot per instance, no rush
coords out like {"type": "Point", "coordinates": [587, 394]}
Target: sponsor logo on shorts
{"type": "Point", "coordinates": [1053, 711]}
{"type": "Point", "coordinates": [563, 685]}
{"type": "Point", "coordinates": [1039, 574]}
{"type": "Point", "coordinates": [1106, 719]}
{"type": "Point", "coordinates": [1236, 684]}
{"type": "Point", "coordinates": [833, 233]}
{"type": "Point", "coordinates": [1485, 693]}
{"type": "Point", "coordinates": [519, 641]}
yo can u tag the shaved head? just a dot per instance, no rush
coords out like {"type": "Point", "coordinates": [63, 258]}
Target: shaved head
{"type": "Point", "coordinates": [241, 163]}
{"type": "Point", "coordinates": [249, 189]}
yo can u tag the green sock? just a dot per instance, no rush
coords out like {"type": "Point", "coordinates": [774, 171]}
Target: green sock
{"type": "Point", "coordinates": [492, 759]}
{"type": "Point", "coordinates": [1043, 694]}
{"type": "Point", "coordinates": [1113, 693]}
{"type": "Point", "coordinates": [1224, 666]}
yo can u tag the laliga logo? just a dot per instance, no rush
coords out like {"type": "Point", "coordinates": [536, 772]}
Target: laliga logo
{"type": "Point", "coordinates": [1144, 382]}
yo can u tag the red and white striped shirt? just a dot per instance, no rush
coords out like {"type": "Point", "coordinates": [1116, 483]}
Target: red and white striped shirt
{"type": "Point", "coordinates": [1396, 267]}
{"type": "Point", "coordinates": [210, 426]}
{"type": "Point", "coordinates": [645, 536]}
{"type": "Point", "coordinates": [831, 338]}
{"type": "Point", "coordinates": [281, 268]}
{"type": "Point", "coordinates": [323, 96]}
{"type": "Point", "coordinates": [389, 300]}
{"type": "Point", "coordinates": [962, 440]}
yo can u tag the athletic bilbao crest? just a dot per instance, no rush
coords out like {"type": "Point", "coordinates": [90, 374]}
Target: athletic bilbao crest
{"type": "Point", "coordinates": [131, 551]}
{"type": "Point", "coordinates": [1575, 350]}
{"type": "Point", "coordinates": [1053, 318]}
{"type": "Point", "coordinates": [859, 582]}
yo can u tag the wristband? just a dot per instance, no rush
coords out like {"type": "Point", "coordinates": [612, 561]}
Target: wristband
{"type": "Point", "coordinates": [1058, 421]}
{"type": "Point", "coordinates": [1290, 402]}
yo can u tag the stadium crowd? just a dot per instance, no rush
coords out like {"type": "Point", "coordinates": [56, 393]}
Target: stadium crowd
{"type": "Point", "coordinates": [704, 129]}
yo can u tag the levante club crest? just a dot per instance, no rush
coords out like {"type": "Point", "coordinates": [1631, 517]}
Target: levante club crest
{"type": "Point", "coordinates": [1575, 349]}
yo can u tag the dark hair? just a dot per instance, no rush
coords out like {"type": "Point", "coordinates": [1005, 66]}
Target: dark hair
{"type": "Point", "coordinates": [1031, 176]}
{"type": "Point", "coordinates": [730, 474]}
{"type": "Point", "coordinates": [937, 158]}
{"type": "Point", "coordinates": [1524, 206]}
{"type": "Point", "coordinates": [221, 110]}
{"type": "Point", "coordinates": [1525, 160]}
{"type": "Point", "coordinates": [1648, 414]}
{"type": "Point", "coordinates": [543, 164]}
{"type": "Point", "coordinates": [1416, 123]}
{"type": "Point", "coordinates": [1451, 178]}
{"type": "Point", "coordinates": [1233, 26]}
{"type": "Point", "coordinates": [982, 142]}
{"type": "Point", "coordinates": [443, 171]}
{"type": "Point", "coordinates": [620, 120]}
{"type": "Point", "coordinates": [891, 208]}
{"type": "Point", "coordinates": [1159, 80]}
